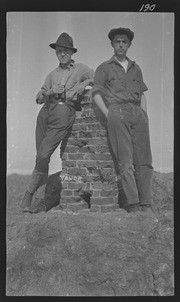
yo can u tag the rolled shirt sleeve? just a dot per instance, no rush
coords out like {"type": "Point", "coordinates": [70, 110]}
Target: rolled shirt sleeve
{"type": "Point", "coordinates": [46, 88]}
{"type": "Point", "coordinates": [87, 78]}
{"type": "Point", "coordinates": [143, 86]}
{"type": "Point", "coordinates": [100, 80]}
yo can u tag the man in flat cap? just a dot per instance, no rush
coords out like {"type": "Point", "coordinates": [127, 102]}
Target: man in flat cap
{"type": "Point", "coordinates": [118, 91]}
{"type": "Point", "coordinates": [59, 94]}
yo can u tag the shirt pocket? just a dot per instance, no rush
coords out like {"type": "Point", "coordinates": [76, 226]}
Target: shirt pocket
{"type": "Point", "coordinates": [115, 84]}
{"type": "Point", "coordinates": [71, 85]}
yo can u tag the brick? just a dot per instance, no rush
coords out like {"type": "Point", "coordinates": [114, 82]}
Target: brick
{"type": "Point", "coordinates": [77, 206]}
{"type": "Point", "coordinates": [96, 193]}
{"type": "Point", "coordinates": [109, 182]}
{"type": "Point", "coordinates": [76, 156]}
{"type": "Point", "coordinates": [64, 156]}
{"type": "Point", "coordinates": [63, 172]}
{"type": "Point", "coordinates": [89, 120]}
{"type": "Point", "coordinates": [103, 149]}
{"type": "Point", "coordinates": [86, 106]}
{"type": "Point", "coordinates": [109, 208]}
{"type": "Point", "coordinates": [94, 126]}
{"type": "Point", "coordinates": [78, 114]}
{"type": "Point", "coordinates": [87, 156]}
{"type": "Point", "coordinates": [87, 149]}
{"type": "Point", "coordinates": [87, 164]}
{"type": "Point", "coordinates": [87, 187]}
{"type": "Point", "coordinates": [99, 156]}
{"type": "Point", "coordinates": [92, 149]}
{"type": "Point", "coordinates": [114, 185]}
{"type": "Point", "coordinates": [70, 199]}
{"type": "Point", "coordinates": [95, 208]}
{"type": "Point", "coordinates": [107, 164]}
{"type": "Point", "coordinates": [71, 149]}
{"type": "Point", "coordinates": [98, 141]}
{"type": "Point", "coordinates": [78, 142]}
{"type": "Point", "coordinates": [110, 171]}
{"type": "Point", "coordinates": [77, 171]}
{"type": "Point", "coordinates": [101, 133]}
{"type": "Point", "coordinates": [79, 127]}
{"type": "Point", "coordinates": [76, 186]}
{"type": "Point", "coordinates": [103, 200]}
{"type": "Point", "coordinates": [109, 193]}
{"type": "Point", "coordinates": [64, 185]}
{"type": "Point", "coordinates": [78, 120]}
{"type": "Point", "coordinates": [87, 134]}
{"type": "Point", "coordinates": [96, 186]}
{"type": "Point", "coordinates": [109, 187]}
{"type": "Point", "coordinates": [90, 178]}
{"type": "Point", "coordinates": [69, 163]}
{"type": "Point", "coordinates": [74, 134]}
{"type": "Point", "coordinates": [77, 192]}
{"type": "Point", "coordinates": [87, 112]}
{"type": "Point", "coordinates": [62, 206]}
{"type": "Point", "coordinates": [98, 178]}
{"type": "Point", "coordinates": [66, 193]}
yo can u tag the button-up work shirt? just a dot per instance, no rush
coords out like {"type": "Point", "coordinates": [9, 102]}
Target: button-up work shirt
{"type": "Point", "coordinates": [75, 77]}
{"type": "Point", "coordinates": [115, 85]}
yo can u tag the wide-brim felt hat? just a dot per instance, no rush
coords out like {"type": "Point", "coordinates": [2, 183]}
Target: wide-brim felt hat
{"type": "Point", "coordinates": [121, 31]}
{"type": "Point", "coordinates": [65, 41]}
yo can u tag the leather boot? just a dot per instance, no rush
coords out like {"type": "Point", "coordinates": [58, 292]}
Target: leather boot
{"type": "Point", "coordinates": [134, 208]}
{"type": "Point", "coordinates": [26, 202]}
{"type": "Point", "coordinates": [36, 181]}
{"type": "Point", "coordinates": [147, 208]}
{"type": "Point", "coordinates": [37, 206]}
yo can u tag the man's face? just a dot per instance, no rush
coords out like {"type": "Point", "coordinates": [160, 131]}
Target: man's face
{"type": "Point", "coordinates": [120, 44]}
{"type": "Point", "coordinates": [64, 54]}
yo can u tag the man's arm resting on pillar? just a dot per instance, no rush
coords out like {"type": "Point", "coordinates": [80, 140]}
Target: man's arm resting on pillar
{"type": "Point", "coordinates": [143, 103]}
{"type": "Point", "coordinates": [100, 103]}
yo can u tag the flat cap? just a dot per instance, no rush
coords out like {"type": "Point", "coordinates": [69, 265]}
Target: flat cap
{"type": "Point", "coordinates": [121, 31]}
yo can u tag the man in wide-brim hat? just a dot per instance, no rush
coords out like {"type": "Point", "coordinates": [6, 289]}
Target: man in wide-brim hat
{"type": "Point", "coordinates": [59, 94]}
{"type": "Point", "coordinates": [119, 93]}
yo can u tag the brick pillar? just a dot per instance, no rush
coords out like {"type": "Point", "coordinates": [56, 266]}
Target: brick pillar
{"type": "Point", "coordinates": [88, 169]}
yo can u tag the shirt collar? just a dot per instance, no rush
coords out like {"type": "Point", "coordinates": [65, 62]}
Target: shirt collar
{"type": "Point", "coordinates": [113, 59]}
{"type": "Point", "coordinates": [71, 64]}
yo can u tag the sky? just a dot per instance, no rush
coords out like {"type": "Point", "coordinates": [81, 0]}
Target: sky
{"type": "Point", "coordinates": [30, 59]}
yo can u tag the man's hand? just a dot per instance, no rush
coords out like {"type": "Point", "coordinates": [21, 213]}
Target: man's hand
{"type": "Point", "coordinates": [87, 87]}
{"type": "Point", "coordinates": [41, 98]}
{"type": "Point", "coordinates": [144, 103]}
{"type": "Point", "coordinates": [100, 103]}
{"type": "Point", "coordinates": [56, 89]}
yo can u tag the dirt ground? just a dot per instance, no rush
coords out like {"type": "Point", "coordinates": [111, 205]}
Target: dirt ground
{"type": "Point", "coordinates": [65, 253]}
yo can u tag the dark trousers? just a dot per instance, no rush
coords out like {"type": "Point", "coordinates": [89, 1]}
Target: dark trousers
{"type": "Point", "coordinates": [128, 129]}
{"type": "Point", "coordinates": [52, 126]}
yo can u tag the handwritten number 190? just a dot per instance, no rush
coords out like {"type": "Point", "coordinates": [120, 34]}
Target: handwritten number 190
{"type": "Point", "coordinates": [147, 7]}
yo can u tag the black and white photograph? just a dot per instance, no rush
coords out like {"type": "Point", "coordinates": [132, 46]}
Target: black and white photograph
{"type": "Point", "coordinates": [90, 153]}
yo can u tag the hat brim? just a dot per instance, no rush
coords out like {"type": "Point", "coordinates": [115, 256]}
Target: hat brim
{"type": "Point", "coordinates": [53, 45]}
{"type": "Point", "coordinates": [117, 31]}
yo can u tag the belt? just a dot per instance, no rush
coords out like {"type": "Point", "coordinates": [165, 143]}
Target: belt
{"type": "Point", "coordinates": [136, 102]}
{"type": "Point", "coordinates": [59, 102]}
